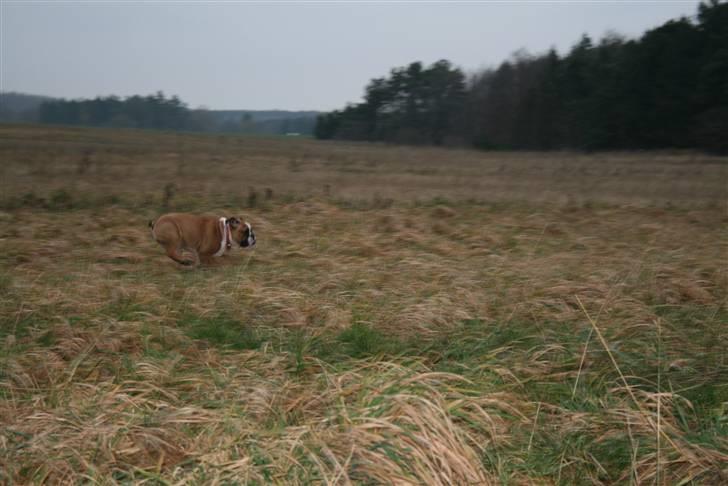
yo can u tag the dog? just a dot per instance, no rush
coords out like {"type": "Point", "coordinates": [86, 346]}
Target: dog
{"type": "Point", "coordinates": [204, 237]}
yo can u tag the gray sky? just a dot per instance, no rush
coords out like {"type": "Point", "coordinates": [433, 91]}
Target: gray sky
{"type": "Point", "coordinates": [281, 55]}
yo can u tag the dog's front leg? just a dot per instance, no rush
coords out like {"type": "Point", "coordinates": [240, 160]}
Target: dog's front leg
{"type": "Point", "coordinates": [207, 260]}
{"type": "Point", "coordinates": [174, 254]}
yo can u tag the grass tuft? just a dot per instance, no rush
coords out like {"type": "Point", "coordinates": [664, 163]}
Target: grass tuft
{"type": "Point", "coordinates": [221, 330]}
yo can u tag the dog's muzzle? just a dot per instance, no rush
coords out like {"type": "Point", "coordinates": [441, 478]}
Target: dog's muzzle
{"type": "Point", "coordinates": [249, 241]}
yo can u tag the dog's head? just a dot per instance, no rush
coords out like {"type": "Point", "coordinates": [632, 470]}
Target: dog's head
{"type": "Point", "coordinates": [241, 232]}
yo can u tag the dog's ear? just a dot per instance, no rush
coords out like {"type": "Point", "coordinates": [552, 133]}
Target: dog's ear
{"type": "Point", "coordinates": [233, 222]}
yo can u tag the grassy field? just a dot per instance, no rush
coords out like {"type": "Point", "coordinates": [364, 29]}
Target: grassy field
{"type": "Point", "coordinates": [409, 315]}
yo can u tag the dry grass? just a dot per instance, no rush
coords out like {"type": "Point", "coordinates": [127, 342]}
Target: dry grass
{"type": "Point", "coordinates": [424, 319]}
{"type": "Point", "coordinates": [222, 169]}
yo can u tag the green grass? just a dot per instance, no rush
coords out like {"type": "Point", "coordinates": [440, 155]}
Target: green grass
{"type": "Point", "coordinates": [222, 330]}
{"type": "Point", "coordinates": [361, 340]}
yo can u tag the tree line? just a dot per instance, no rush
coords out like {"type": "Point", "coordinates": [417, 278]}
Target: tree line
{"type": "Point", "coordinates": [155, 111]}
{"type": "Point", "coordinates": [669, 88]}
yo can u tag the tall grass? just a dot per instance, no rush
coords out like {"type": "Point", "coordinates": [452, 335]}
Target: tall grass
{"type": "Point", "coordinates": [411, 337]}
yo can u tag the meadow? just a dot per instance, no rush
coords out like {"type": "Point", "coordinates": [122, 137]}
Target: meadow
{"type": "Point", "coordinates": [408, 316]}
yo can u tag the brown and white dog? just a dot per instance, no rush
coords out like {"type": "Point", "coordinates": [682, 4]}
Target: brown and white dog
{"type": "Point", "coordinates": [203, 236]}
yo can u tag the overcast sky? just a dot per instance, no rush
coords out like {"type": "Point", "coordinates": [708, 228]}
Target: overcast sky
{"type": "Point", "coordinates": [289, 55]}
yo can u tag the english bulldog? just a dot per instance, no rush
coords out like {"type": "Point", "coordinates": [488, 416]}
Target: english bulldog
{"type": "Point", "coordinates": [204, 237]}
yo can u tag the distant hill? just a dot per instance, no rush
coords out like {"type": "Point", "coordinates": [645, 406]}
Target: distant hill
{"type": "Point", "coordinates": [269, 122]}
{"type": "Point", "coordinates": [20, 107]}
{"type": "Point", "coordinates": [264, 115]}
